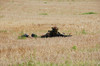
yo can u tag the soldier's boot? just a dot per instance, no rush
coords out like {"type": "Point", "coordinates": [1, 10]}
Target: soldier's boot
{"type": "Point", "coordinates": [25, 35]}
{"type": "Point", "coordinates": [33, 35]}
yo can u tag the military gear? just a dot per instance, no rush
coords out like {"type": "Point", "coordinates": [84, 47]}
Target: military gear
{"type": "Point", "coordinates": [25, 35]}
{"type": "Point", "coordinates": [54, 33]}
{"type": "Point", "coordinates": [51, 33]}
{"type": "Point", "coordinates": [33, 35]}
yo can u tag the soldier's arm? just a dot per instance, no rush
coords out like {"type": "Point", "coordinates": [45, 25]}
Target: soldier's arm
{"type": "Point", "coordinates": [60, 34]}
{"type": "Point", "coordinates": [64, 35]}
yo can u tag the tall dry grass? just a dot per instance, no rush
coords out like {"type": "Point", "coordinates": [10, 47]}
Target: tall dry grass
{"type": "Point", "coordinates": [28, 16]}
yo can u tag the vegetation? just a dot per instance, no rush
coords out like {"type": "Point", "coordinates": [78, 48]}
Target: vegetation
{"type": "Point", "coordinates": [74, 47]}
{"type": "Point", "coordinates": [45, 2]}
{"type": "Point", "coordinates": [43, 13]}
{"type": "Point", "coordinates": [20, 37]}
{"type": "Point", "coordinates": [88, 13]}
{"type": "Point", "coordinates": [37, 16]}
{"type": "Point", "coordinates": [3, 31]}
{"type": "Point", "coordinates": [84, 32]}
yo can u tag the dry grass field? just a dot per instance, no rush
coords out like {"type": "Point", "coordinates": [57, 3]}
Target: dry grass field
{"type": "Point", "coordinates": [81, 18]}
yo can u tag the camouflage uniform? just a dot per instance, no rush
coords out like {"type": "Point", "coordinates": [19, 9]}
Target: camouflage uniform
{"type": "Point", "coordinates": [54, 33]}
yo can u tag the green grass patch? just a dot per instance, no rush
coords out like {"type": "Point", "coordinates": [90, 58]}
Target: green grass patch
{"type": "Point", "coordinates": [67, 63]}
{"type": "Point", "coordinates": [3, 31]}
{"type": "Point", "coordinates": [43, 14]}
{"type": "Point", "coordinates": [88, 13]}
{"type": "Point", "coordinates": [20, 37]}
{"type": "Point", "coordinates": [83, 31]}
{"type": "Point", "coordinates": [74, 47]}
{"type": "Point", "coordinates": [38, 63]}
{"type": "Point", "coordinates": [45, 2]}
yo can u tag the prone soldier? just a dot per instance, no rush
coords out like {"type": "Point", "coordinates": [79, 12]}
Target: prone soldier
{"type": "Point", "coordinates": [54, 33]}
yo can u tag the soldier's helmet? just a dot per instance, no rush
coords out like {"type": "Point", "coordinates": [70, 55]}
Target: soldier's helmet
{"type": "Point", "coordinates": [54, 28]}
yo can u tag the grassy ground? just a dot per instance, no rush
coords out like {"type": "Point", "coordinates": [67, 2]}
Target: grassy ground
{"type": "Point", "coordinates": [78, 17]}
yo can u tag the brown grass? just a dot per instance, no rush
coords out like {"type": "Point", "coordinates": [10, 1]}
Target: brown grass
{"type": "Point", "coordinates": [24, 16]}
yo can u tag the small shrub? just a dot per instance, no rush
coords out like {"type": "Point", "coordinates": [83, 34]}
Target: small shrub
{"type": "Point", "coordinates": [45, 2]}
{"type": "Point", "coordinates": [84, 32]}
{"type": "Point", "coordinates": [68, 63]}
{"type": "Point", "coordinates": [29, 63]}
{"type": "Point", "coordinates": [20, 37]}
{"type": "Point", "coordinates": [88, 13]}
{"type": "Point", "coordinates": [43, 14]}
{"type": "Point", "coordinates": [74, 47]}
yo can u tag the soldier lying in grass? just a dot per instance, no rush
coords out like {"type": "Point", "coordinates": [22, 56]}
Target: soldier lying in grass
{"type": "Point", "coordinates": [54, 33]}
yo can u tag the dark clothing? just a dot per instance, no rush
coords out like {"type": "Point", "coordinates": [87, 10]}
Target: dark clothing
{"type": "Point", "coordinates": [33, 35]}
{"type": "Point", "coordinates": [54, 34]}
{"type": "Point", "coordinates": [25, 35]}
